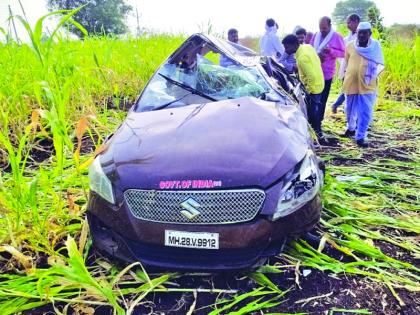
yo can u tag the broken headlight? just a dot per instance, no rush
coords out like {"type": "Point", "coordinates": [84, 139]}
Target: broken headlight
{"type": "Point", "coordinates": [299, 187]}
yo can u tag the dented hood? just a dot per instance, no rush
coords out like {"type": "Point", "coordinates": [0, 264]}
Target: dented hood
{"type": "Point", "coordinates": [237, 143]}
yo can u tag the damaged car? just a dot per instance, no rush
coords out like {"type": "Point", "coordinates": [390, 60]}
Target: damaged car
{"type": "Point", "coordinates": [213, 168]}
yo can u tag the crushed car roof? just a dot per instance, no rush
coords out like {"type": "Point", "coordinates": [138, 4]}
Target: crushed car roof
{"type": "Point", "coordinates": [239, 53]}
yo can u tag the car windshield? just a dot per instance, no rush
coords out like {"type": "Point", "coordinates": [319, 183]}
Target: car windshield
{"type": "Point", "coordinates": [202, 74]}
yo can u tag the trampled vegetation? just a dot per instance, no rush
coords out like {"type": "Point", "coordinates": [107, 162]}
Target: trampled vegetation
{"type": "Point", "coordinates": [60, 98]}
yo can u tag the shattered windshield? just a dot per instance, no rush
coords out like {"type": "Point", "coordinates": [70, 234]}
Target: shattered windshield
{"type": "Point", "coordinates": [200, 74]}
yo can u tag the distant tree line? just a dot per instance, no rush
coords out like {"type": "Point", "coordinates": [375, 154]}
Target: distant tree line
{"type": "Point", "coordinates": [344, 8]}
{"type": "Point", "coordinates": [368, 11]}
{"type": "Point", "coordinates": [98, 17]}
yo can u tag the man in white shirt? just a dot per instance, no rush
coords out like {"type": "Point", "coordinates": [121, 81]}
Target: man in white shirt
{"type": "Point", "coordinates": [353, 21]}
{"type": "Point", "coordinates": [270, 43]}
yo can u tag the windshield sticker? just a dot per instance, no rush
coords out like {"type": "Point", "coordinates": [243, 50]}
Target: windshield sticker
{"type": "Point", "coordinates": [190, 184]}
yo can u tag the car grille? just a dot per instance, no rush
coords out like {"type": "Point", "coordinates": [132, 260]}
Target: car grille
{"type": "Point", "coordinates": [214, 207]}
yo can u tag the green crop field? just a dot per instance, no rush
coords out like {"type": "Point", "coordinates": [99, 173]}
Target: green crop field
{"type": "Point", "coordinates": [60, 98]}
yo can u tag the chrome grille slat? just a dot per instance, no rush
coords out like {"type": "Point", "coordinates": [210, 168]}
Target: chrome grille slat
{"type": "Point", "coordinates": [216, 206]}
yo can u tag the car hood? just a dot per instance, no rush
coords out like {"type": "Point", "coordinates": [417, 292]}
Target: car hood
{"type": "Point", "coordinates": [236, 143]}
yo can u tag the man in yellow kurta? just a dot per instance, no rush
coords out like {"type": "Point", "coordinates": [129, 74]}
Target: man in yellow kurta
{"type": "Point", "coordinates": [310, 73]}
{"type": "Point", "coordinates": [364, 59]}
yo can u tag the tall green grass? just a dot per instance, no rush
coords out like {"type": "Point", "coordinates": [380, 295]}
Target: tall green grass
{"type": "Point", "coordinates": [402, 68]}
{"type": "Point", "coordinates": [62, 90]}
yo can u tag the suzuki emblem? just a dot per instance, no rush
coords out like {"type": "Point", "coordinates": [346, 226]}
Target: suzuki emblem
{"type": "Point", "coordinates": [190, 206]}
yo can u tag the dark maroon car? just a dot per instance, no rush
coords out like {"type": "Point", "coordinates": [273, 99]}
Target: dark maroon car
{"type": "Point", "coordinates": [213, 167]}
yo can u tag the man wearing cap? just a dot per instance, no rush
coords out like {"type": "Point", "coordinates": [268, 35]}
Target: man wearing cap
{"type": "Point", "coordinates": [365, 60]}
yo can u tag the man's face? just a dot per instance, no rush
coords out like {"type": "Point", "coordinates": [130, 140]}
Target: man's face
{"type": "Point", "coordinates": [290, 48]}
{"type": "Point", "coordinates": [352, 25]}
{"type": "Point", "coordinates": [301, 38]}
{"type": "Point", "coordinates": [324, 27]}
{"type": "Point", "coordinates": [233, 37]}
{"type": "Point", "coordinates": [363, 37]}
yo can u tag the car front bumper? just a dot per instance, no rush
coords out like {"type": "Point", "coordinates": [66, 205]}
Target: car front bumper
{"type": "Point", "coordinates": [242, 245]}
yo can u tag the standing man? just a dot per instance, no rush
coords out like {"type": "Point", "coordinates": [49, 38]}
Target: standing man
{"type": "Point", "coordinates": [310, 73]}
{"type": "Point", "coordinates": [329, 45]}
{"type": "Point", "coordinates": [270, 43]}
{"type": "Point", "coordinates": [233, 37]}
{"type": "Point", "coordinates": [301, 35]}
{"type": "Point", "coordinates": [309, 36]}
{"type": "Point", "coordinates": [365, 61]}
{"type": "Point", "coordinates": [353, 21]}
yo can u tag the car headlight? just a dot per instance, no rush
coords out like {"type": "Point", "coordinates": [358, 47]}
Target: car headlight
{"type": "Point", "coordinates": [99, 182]}
{"type": "Point", "coordinates": [300, 187]}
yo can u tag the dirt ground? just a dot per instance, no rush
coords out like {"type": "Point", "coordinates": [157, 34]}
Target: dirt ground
{"type": "Point", "coordinates": [315, 292]}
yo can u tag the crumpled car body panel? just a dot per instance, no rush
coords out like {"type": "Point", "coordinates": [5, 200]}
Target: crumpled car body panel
{"type": "Point", "coordinates": [261, 142]}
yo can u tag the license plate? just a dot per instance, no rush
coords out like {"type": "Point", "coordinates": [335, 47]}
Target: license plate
{"type": "Point", "coordinates": [192, 239]}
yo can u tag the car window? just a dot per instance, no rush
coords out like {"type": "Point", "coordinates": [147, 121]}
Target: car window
{"type": "Point", "coordinates": [210, 73]}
